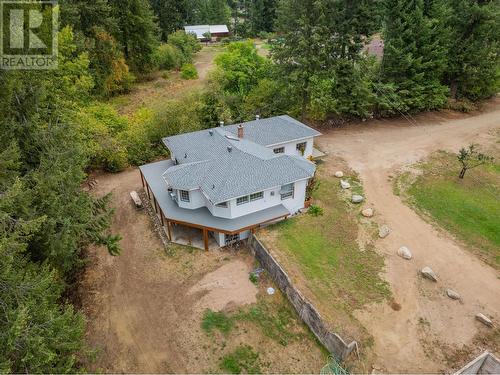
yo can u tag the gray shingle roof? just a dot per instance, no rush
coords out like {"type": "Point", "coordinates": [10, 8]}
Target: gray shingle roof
{"type": "Point", "coordinates": [274, 130]}
{"type": "Point", "coordinates": [205, 161]}
{"type": "Point", "coordinates": [201, 216]}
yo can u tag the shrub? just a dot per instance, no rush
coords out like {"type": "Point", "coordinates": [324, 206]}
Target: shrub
{"type": "Point", "coordinates": [168, 57]}
{"type": "Point", "coordinates": [253, 278]}
{"type": "Point", "coordinates": [188, 71]}
{"type": "Point", "coordinates": [187, 45]}
{"type": "Point", "coordinates": [315, 210]}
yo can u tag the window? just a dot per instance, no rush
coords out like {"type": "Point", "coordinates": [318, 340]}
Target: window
{"type": "Point", "coordinates": [287, 191]}
{"type": "Point", "coordinates": [279, 150]}
{"type": "Point", "coordinates": [184, 195]}
{"type": "Point", "coordinates": [256, 196]}
{"type": "Point", "coordinates": [223, 204]}
{"type": "Point", "coordinates": [301, 147]}
{"type": "Point", "coordinates": [242, 200]}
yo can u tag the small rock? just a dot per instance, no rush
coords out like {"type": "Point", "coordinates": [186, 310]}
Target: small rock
{"type": "Point", "coordinates": [270, 291]}
{"type": "Point", "coordinates": [345, 184]}
{"type": "Point", "coordinates": [339, 174]}
{"type": "Point", "coordinates": [428, 273]}
{"type": "Point", "coordinates": [452, 294]}
{"type": "Point", "coordinates": [383, 231]}
{"type": "Point", "coordinates": [357, 198]}
{"type": "Point", "coordinates": [404, 253]}
{"type": "Point", "coordinates": [367, 212]}
{"type": "Point", "coordinates": [484, 319]}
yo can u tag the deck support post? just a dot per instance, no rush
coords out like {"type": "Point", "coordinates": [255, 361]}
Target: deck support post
{"type": "Point", "coordinates": [142, 179]}
{"type": "Point", "coordinates": [205, 238]}
{"type": "Point", "coordinates": [154, 204]}
{"type": "Point", "coordinates": [147, 189]}
{"type": "Point", "coordinates": [161, 218]}
{"type": "Point", "coordinates": [169, 230]}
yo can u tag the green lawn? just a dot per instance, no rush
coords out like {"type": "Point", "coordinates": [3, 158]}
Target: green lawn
{"type": "Point", "coordinates": [325, 250]}
{"type": "Point", "coordinates": [468, 208]}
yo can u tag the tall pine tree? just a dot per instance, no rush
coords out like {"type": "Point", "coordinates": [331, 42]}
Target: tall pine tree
{"type": "Point", "coordinates": [138, 32]}
{"type": "Point", "coordinates": [474, 48]}
{"type": "Point", "coordinates": [322, 40]}
{"type": "Point", "coordinates": [415, 58]}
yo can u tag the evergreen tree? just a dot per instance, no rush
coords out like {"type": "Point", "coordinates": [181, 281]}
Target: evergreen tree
{"type": "Point", "coordinates": [138, 32]}
{"type": "Point", "coordinates": [218, 12]}
{"type": "Point", "coordinates": [474, 48]}
{"type": "Point", "coordinates": [321, 39]}
{"type": "Point", "coordinates": [415, 54]}
{"type": "Point", "coordinates": [172, 15]}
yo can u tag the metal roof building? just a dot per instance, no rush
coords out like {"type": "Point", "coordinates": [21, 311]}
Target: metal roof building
{"type": "Point", "coordinates": [214, 30]}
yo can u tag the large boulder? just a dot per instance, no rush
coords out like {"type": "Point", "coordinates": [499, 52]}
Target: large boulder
{"type": "Point", "coordinates": [404, 253]}
{"type": "Point", "coordinates": [452, 294]}
{"type": "Point", "coordinates": [367, 212]}
{"type": "Point", "coordinates": [484, 319]}
{"type": "Point", "coordinates": [357, 198]}
{"type": "Point", "coordinates": [339, 174]}
{"type": "Point", "coordinates": [345, 184]}
{"type": "Point", "coordinates": [383, 231]}
{"type": "Point", "coordinates": [428, 273]}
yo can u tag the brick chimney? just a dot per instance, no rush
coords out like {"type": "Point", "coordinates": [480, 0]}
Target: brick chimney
{"type": "Point", "coordinates": [240, 131]}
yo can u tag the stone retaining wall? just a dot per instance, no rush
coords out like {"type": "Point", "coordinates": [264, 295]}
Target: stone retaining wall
{"type": "Point", "coordinates": [332, 342]}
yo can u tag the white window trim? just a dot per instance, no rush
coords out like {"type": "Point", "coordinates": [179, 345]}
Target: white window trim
{"type": "Point", "coordinates": [260, 196]}
{"type": "Point", "coordinates": [304, 144]}
{"type": "Point", "coordinates": [245, 201]}
{"type": "Point", "coordinates": [182, 198]}
{"type": "Point", "coordinates": [288, 194]}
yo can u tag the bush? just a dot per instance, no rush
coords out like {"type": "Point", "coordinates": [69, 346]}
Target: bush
{"type": "Point", "coordinates": [186, 44]}
{"type": "Point", "coordinates": [253, 278]}
{"type": "Point", "coordinates": [188, 71]}
{"type": "Point", "coordinates": [315, 210]}
{"type": "Point", "coordinates": [168, 57]}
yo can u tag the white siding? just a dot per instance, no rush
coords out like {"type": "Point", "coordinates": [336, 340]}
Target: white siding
{"type": "Point", "coordinates": [196, 199]}
{"type": "Point", "coordinates": [291, 147]}
{"type": "Point", "coordinates": [270, 200]}
{"type": "Point", "coordinates": [295, 204]}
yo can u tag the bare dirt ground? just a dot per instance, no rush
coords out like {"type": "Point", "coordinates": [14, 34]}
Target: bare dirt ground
{"type": "Point", "coordinates": [160, 88]}
{"type": "Point", "coordinates": [410, 339]}
{"type": "Point", "coordinates": [144, 308]}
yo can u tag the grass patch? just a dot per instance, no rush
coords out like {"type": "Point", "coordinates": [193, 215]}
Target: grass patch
{"type": "Point", "coordinates": [468, 208]}
{"type": "Point", "coordinates": [274, 320]}
{"type": "Point", "coordinates": [325, 250]}
{"type": "Point", "coordinates": [216, 320]}
{"type": "Point", "coordinates": [242, 359]}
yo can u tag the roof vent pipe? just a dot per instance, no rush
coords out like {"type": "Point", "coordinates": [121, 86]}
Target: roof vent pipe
{"type": "Point", "coordinates": [229, 148]}
{"type": "Point", "coordinates": [221, 123]}
{"type": "Point", "coordinates": [240, 131]}
{"type": "Point", "coordinates": [257, 117]}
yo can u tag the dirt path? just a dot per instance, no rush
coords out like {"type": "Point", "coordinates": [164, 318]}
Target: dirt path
{"type": "Point", "coordinates": [408, 340]}
{"type": "Point", "coordinates": [163, 87]}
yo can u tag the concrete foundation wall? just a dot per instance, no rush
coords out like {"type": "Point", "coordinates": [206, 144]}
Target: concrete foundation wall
{"type": "Point", "coordinates": [307, 312]}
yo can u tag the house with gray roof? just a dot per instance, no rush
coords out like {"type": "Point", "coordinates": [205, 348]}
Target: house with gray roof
{"type": "Point", "coordinates": [228, 180]}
